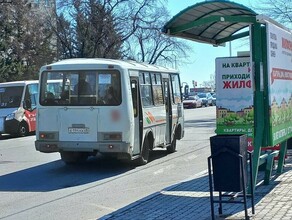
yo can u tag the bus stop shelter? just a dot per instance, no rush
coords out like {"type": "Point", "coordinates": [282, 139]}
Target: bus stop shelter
{"type": "Point", "coordinates": [218, 22]}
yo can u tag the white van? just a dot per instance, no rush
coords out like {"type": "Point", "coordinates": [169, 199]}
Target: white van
{"type": "Point", "coordinates": [120, 108]}
{"type": "Point", "coordinates": [18, 107]}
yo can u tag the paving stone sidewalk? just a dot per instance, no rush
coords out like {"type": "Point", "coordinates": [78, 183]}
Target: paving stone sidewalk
{"type": "Point", "coordinates": [190, 200]}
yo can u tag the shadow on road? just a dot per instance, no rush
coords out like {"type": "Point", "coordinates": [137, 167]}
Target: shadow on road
{"type": "Point", "coordinates": [56, 175]}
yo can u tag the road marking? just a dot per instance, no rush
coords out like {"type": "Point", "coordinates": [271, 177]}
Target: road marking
{"type": "Point", "coordinates": [186, 193]}
{"type": "Point", "coordinates": [105, 207]}
{"type": "Point", "coordinates": [162, 170]}
{"type": "Point", "coordinates": [191, 157]}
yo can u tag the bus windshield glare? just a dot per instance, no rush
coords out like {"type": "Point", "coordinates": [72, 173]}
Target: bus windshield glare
{"type": "Point", "coordinates": [10, 97]}
{"type": "Point", "coordinates": [81, 88]}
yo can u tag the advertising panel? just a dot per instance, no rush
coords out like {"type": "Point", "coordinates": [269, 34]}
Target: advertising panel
{"type": "Point", "coordinates": [279, 43]}
{"type": "Point", "coordinates": [234, 97]}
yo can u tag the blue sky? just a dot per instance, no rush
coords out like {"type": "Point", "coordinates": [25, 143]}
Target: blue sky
{"type": "Point", "coordinates": [202, 60]}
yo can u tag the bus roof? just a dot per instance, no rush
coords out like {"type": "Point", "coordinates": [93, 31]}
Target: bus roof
{"type": "Point", "coordinates": [77, 63]}
{"type": "Point", "coordinates": [18, 83]}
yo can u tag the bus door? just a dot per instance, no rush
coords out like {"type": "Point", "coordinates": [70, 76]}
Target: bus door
{"type": "Point", "coordinates": [138, 116]}
{"type": "Point", "coordinates": [29, 105]}
{"type": "Point", "coordinates": [168, 108]}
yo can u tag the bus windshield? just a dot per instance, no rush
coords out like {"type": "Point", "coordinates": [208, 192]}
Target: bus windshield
{"type": "Point", "coordinates": [80, 88]}
{"type": "Point", "coordinates": [10, 97]}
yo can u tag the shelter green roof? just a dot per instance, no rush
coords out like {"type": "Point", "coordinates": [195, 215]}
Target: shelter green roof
{"type": "Point", "coordinates": [213, 22]}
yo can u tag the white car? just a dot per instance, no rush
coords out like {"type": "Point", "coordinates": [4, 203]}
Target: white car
{"type": "Point", "coordinates": [206, 98]}
{"type": "Point", "coordinates": [192, 102]}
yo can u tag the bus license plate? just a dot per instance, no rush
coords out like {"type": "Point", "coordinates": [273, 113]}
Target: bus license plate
{"type": "Point", "coordinates": [78, 130]}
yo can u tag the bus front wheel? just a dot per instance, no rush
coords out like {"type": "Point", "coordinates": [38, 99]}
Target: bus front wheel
{"type": "Point", "coordinates": [23, 129]}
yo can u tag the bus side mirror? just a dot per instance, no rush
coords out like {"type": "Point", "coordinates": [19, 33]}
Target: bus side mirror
{"type": "Point", "coordinates": [27, 104]}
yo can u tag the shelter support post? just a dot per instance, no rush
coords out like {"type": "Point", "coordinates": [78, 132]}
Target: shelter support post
{"type": "Point", "coordinates": [282, 154]}
{"type": "Point", "coordinates": [257, 58]}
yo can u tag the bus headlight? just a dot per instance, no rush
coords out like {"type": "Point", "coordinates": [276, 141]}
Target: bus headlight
{"type": "Point", "coordinates": [10, 117]}
{"type": "Point", "coordinates": [113, 136]}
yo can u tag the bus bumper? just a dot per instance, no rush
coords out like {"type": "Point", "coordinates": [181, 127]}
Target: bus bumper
{"type": "Point", "coordinates": [101, 147]}
{"type": "Point", "coordinates": [8, 127]}
{"type": "Point", "coordinates": [11, 126]}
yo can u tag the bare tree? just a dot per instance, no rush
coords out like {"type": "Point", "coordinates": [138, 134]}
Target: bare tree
{"type": "Point", "coordinates": [153, 46]}
{"type": "Point", "coordinates": [279, 10]}
{"type": "Point", "coordinates": [128, 29]}
{"type": "Point", "coordinates": [65, 38]}
{"type": "Point", "coordinates": [89, 28]}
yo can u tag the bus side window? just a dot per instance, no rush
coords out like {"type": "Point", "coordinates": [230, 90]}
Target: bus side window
{"type": "Point", "coordinates": [134, 89]}
{"type": "Point", "coordinates": [166, 100]}
{"type": "Point", "coordinates": [157, 89]}
{"type": "Point", "coordinates": [14, 101]}
{"type": "Point", "coordinates": [176, 89]}
{"type": "Point", "coordinates": [27, 101]}
{"type": "Point", "coordinates": [146, 90]}
{"type": "Point", "coordinates": [31, 96]}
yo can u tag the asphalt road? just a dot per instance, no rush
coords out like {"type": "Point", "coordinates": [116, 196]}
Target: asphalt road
{"type": "Point", "coordinates": [37, 186]}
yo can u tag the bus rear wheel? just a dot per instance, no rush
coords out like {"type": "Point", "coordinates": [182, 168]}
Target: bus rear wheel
{"type": "Point", "coordinates": [143, 159]}
{"type": "Point", "coordinates": [172, 147]}
{"type": "Point", "coordinates": [71, 157]}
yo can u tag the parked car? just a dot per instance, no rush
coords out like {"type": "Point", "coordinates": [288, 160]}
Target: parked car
{"type": "Point", "coordinates": [206, 98]}
{"type": "Point", "coordinates": [214, 99]}
{"type": "Point", "coordinates": [192, 102]}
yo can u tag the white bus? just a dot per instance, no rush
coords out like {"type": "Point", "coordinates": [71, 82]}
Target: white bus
{"type": "Point", "coordinates": [18, 107]}
{"type": "Point", "coordinates": [120, 108]}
